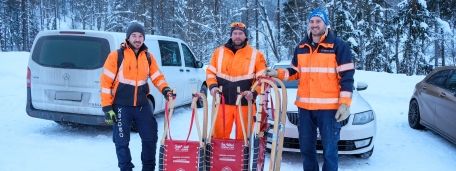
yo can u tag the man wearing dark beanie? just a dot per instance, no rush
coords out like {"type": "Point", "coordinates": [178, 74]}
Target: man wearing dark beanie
{"type": "Point", "coordinates": [235, 64]}
{"type": "Point", "coordinates": [125, 97]}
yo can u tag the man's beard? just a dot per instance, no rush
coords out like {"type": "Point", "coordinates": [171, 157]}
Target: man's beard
{"type": "Point", "coordinates": [134, 44]}
{"type": "Point", "coordinates": [241, 43]}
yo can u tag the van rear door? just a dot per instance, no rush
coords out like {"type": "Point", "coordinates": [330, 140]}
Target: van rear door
{"type": "Point", "coordinates": [66, 71]}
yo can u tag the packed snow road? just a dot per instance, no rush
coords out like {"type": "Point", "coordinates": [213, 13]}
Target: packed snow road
{"type": "Point", "coordinates": [28, 144]}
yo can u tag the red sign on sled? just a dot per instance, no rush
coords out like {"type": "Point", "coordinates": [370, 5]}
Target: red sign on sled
{"type": "Point", "coordinates": [181, 155]}
{"type": "Point", "coordinates": [227, 155]}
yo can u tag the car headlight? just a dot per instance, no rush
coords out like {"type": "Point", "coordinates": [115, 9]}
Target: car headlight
{"type": "Point", "coordinates": [363, 117]}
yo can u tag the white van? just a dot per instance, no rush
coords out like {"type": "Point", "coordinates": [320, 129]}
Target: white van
{"type": "Point", "coordinates": [63, 74]}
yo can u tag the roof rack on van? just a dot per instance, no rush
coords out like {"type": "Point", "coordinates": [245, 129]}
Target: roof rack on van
{"type": "Point", "coordinates": [72, 32]}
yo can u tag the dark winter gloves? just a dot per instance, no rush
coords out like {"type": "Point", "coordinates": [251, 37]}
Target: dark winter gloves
{"type": "Point", "coordinates": [343, 112]}
{"type": "Point", "coordinates": [167, 92]}
{"type": "Point", "coordinates": [110, 117]}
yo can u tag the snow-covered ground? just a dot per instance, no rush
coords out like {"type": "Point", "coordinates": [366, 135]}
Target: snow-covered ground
{"type": "Point", "coordinates": [33, 144]}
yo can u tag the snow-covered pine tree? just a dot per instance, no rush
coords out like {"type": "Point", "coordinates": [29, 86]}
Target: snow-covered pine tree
{"type": "Point", "coordinates": [389, 33]}
{"type": "Point", "coordinates": [442, 35]}
{"type": "Point", "coordinates": [3, 26]}
{"type": "Point", "coordinates": [13, 35]}
{"type": "Point", "coordinates": [293, 24]}
{"type": "Point", "coordinates": [376, 49]}
{"type": "Point", "coordinates": [100, 14]}
{"type": "Point", "coordinates": [83, 13]}
{"type": "Point", "coordinates": [415, 24]}
{"type": "Point", "coordinates": [270, 32]}
{"type": "Point", "coordinates": [24, 25]}
{"type": "Point", "coordinates": [33, 26]}
{"type": "Point", "coordinates": [193, 19]}
{"type": "Point", "coordinates": [343, 25]}
{"type": "Point", "coordinates": [119, 16]}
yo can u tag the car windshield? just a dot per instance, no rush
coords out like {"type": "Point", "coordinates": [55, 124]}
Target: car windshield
{"type": "Point", "coordinates": [288, 84]}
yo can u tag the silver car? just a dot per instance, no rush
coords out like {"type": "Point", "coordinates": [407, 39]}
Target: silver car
{"type": "Point", "coordinates": [433, 104]}
{"type": "Point", "coordinates": [358, 131]}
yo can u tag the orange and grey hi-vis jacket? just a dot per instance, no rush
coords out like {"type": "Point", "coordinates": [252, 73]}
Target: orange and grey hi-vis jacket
{"type": "Point", "coordinates": [234, 69]}
{"type": "Point", "coordinates": [129, 87]}
{"type": "Point", "coordinates": [325, 72]}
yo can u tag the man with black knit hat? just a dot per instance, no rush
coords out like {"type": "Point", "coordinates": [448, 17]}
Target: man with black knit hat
{"type": "Point", "coordinates": [235, 64]}
{"type": "Point", "coordinates": [125, 97]}
{"type": "Point", "coordinates": [323, 64]}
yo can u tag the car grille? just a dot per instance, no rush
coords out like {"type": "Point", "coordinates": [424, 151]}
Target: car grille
{"type": "Point", "coordinates": [293, 117]}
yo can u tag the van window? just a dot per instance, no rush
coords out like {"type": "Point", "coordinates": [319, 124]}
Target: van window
{"type": "Point", "coordinates": [74, 52]}
{"type": "Point", "coordinates": [170, 53]}
{"type": "Point", "coordinates": [188, 57]}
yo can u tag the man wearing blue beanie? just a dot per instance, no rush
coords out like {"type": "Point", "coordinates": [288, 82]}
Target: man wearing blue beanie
{"type": "Point", "coordinates": [324, 66]}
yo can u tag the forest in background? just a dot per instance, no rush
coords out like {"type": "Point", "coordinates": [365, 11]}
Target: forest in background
{"type": "Point", "coordinates": [384, 35]}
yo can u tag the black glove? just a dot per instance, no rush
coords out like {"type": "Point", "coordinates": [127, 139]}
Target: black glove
{"type": "Point", "coordinates": [167, 92]}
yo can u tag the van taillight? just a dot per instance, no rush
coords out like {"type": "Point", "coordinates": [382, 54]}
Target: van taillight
{"type": "Point", "coordinates": [29, 81]}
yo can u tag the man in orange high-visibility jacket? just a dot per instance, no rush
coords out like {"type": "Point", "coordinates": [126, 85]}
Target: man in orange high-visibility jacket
{"type": "Point", "coordinates": [323, 64]}
{"type": "Point", "coordinates": [235, 64]}
{"type": "Point", "coordinates": [124, 92]}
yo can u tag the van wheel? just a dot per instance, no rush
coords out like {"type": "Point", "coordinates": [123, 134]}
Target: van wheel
{"type": "Point", "coordinates": [203, 90]}
{"type": "Point", "coordinates": [414, 115]}
{"type": "Point", "coordinates": [366, 154]}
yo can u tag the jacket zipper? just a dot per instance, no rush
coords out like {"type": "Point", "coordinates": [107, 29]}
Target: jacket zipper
{"type": "Point", "coordinates": [136, 82]}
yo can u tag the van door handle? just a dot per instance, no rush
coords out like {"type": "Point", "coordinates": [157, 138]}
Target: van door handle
{"type": "Point", "coordinates": [187, 70]}
{"type": "Point", "coordinates": [442, 94]}
{"type": "Point", "coordinates": [181, 70]}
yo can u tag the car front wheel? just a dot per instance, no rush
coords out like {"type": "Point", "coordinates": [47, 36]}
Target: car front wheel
{"type": "Point", "coordinates": [414, 115]}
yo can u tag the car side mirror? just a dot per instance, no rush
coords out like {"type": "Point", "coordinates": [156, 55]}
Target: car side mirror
{"type": "Point", "coordinates": [198, 64]}
{"type": "Point", "coordinates": [360, 86]}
